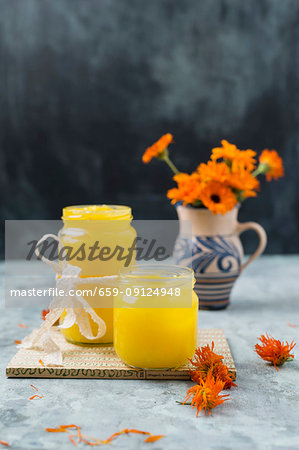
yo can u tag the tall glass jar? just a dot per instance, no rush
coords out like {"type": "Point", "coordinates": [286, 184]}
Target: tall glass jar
{"type": "Point", "coordinates": [97, 228]}
{"type": "Point", "coordinates": [155, 316]}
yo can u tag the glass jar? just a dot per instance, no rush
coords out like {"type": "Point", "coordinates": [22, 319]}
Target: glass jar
{"type": "Point", "coordinates": [155, 316]}
{"type": "Point", "coordinates": [87, 231]}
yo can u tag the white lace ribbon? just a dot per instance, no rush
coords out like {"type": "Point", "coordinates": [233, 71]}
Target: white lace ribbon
{"type": "Point", "coordinates": [77, 308]}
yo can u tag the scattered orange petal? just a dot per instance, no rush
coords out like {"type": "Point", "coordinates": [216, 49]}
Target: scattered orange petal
{"type": "Point", "coordinates": [274, 351]}
{"type": "Point", "coordinates": [17, 341]}
{"type": "Point", "coordinates": [44, 313]}
{"type": "Point", "coordinates": [292, 325]}
{"type": "Point", "coordinates": [93, 441]}
{"type": "Point", "coordinates": [5, 443]}
{"type": "Point", "coordinates": [72, 440]}
{"type": "Point", "coordinates": [35, 396]}
{"type": "Point", "coordinates": [41, 362]}
{"type": "Point", "coordinates": [154, 438]}
{"type": "Point", "coordinates": [87, 441]}
{"type": "Point", "coordinates": [34, 387]}
{"type": "Point", "coordinates": [22, 326]}
{"type": "Point", "coordinates": [55, 430]}
{"type": "Point", "coordinates": [72, 426]}
{"type": "Point", "coordinates": [63, 429]}
{"type": "Point", "coordinates": [137, 432]}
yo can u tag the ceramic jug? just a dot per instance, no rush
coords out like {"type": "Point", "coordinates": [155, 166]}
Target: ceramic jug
{"type": "Point", "coordinates": [215, 252]}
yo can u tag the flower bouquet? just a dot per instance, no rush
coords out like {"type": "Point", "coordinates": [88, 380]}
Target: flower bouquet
{"type": "Point", "coordinates": [209, 197]}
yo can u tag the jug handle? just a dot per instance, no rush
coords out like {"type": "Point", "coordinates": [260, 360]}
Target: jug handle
{"type": "Point", "coordinates": [241, 227]}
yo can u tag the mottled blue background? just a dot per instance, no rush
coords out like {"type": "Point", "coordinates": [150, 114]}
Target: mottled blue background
{"type": "Point", "coordinates": [86, 85]}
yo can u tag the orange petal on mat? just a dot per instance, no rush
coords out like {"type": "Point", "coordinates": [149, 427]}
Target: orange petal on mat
{"type": "Point", "coordinates": [20, 325]}
{"type": "Point", "coordinates": [292, 325]}
{"type": "Point", "coordinates": [154, 438]}
{"type": "Point", "coordinates": [17, 341]}
{"type": "Point", "coordinates": [41, 362]}
{"type": "Point", "coordinates": [5, 443]}
{"type": "Point", "coordinates": [34, 387]}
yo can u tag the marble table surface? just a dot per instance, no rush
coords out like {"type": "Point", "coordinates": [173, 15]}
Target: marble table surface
{"type": "Point", "coordinates": [263, 412]}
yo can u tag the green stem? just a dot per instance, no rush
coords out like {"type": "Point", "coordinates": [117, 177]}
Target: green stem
{"type": "Point", "coordinates": [262, 168]}
{"type": "Point", "coordinates": [165, 158]}
{"type": "Point", "coordinates": [183, 403]}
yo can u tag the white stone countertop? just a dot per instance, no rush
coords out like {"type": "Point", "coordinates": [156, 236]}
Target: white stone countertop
{"type": "Point", "coordinates": [263, 412]}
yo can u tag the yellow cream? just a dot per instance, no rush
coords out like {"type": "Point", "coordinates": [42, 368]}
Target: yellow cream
{"type": "Point", "coordinates": [159, 331]}
{"type": "Point", "coordinates": [111, 227]}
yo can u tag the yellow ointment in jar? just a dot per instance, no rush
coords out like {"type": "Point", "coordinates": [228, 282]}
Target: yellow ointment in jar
{"type": "Point", "coordinates": [155, 316]}
{"type": "Point", "coordinates": [96, 238]}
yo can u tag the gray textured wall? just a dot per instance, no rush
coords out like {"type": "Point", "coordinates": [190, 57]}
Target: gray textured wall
{"type": "Point", "coordinates": [86, 85]}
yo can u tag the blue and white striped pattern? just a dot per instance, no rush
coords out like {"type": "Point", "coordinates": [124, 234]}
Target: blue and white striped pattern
{"type": "Point", "coordinates": [214, 290]}
{"type": "Point", "coordinates": [216, 261]}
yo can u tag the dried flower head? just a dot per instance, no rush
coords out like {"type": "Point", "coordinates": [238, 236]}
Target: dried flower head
{"type": "Point", "coordinates": [204, 358]}
{"type": "Point", "coordinates": [219, 371]}
{"type": "Point", "coordinates": [207, 362]}
{"type": "Point", "coordinates": [274, 351]}
{"type": "Point", "coordinates": [206, 394]}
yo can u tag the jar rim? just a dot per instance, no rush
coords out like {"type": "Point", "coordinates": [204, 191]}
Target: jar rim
{"type": "Point", "coordinates": [97, 212]}
{"type": "Point", "coordinates": [164, 271]}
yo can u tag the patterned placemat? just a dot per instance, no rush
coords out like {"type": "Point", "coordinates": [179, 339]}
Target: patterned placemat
{"type": "Point", "coordinates": [102, 362]}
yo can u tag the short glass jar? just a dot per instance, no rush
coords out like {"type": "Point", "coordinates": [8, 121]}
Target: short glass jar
{"type": "Point", "coordinates": [155, 316]}
{"type": "Point", "coordinates": [109, 227]}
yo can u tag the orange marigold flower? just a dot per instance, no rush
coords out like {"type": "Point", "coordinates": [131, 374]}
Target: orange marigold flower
{"type": "Point", "coordinates": [244, 181]}
{"type": "Point", "coordinates": [206, 395]}
{"type": "Point", "coordinates": [156, 150]}
{"type": "Point", "coordinates": [217, 197]}
{"type": "Point", "coordinates": [273, 164]}
{"type": "Point", "coordinates": [188, 190]}
{"type": "Point", "coordinates": [213, 171]}
{"type": "Point", "coordinates": [274, 351]}
{"type": "Point", "coordinates": [237, 159]}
